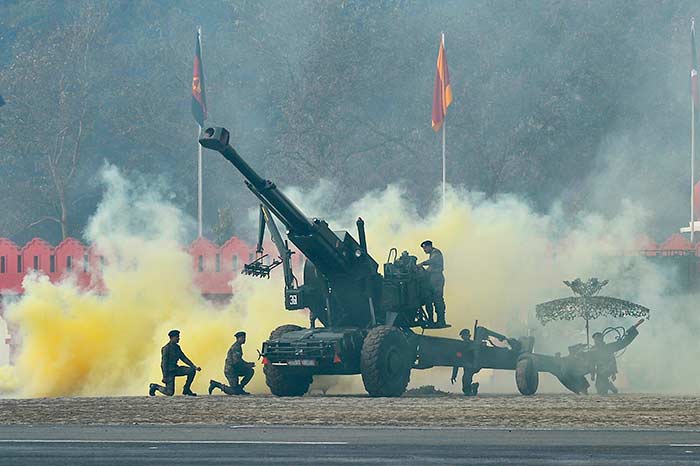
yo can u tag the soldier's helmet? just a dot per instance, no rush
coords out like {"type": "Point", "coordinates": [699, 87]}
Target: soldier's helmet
{"type": "Point", "coordinates": [239, 334]}
{"type": "Point", "coordinates": [427, 242]}
{"type": "Point", "coordinates": [597, 336]}
{"type": "Point", "coordinates": [173, 333]}
{"type": "Point", "coordinates": [465, 333]}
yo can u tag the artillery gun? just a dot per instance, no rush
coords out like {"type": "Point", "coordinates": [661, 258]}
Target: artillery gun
{"type": "Point", "coordinates": [368, 318]}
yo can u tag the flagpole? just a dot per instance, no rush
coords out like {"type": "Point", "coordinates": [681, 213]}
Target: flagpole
{"type": "Point", "coordinates": [692, 136]}
{"type": "Point", "coordinates": [199, 157]}
{"type": "Point", "coordinates": [692, 169]}
{"type": "Point", "coordinates": [199, 183]}
{"type": "Point", "coordinates": [443, 164]}
{"type": "Point", "coordinates": [444, 123]}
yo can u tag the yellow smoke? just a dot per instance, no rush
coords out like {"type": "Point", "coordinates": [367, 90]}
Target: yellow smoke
{"type": "Point", "coordinates": [77, 343]}
{"type": "Point", "coordinates": [499, 264]}
{"type": "Point", "coordinates": [501, 259]}
{"type": "Point", "coordinates": [84, 343]}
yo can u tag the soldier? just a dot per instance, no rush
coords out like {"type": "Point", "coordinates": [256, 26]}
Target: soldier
{"type": "Point", "coordinates": [468, 388]}
{"type": "Point", "coordinates": [235, 367]}
{"type": "Point", "coordinates": [603, 357]}
{"type": "Point", "coordinates": [171, 353]}
{"type": "Point", "coordinates": [436, 266]}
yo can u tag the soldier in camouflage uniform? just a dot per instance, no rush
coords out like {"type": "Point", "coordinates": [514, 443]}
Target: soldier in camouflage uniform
{"type": "Point", "coordinates": [436, 267]}
{"type": "Point", "coordinates": [171, 353]}
{"type": "Point", "coordinates": [234, 367]}
{"type": "Point", "coordinates": [469, 388]}
{"type": "Point", "coordinates": [603, 357]}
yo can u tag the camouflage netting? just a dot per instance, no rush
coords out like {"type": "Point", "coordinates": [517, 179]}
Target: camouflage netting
{"type": "Point", "coordinates": [588, 308]}
{"type": "Point", "coordinates": [586, 305]}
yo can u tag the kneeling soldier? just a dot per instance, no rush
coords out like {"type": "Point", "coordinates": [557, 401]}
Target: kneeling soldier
{"type": "Point", "coordinates": [171, 353]}
{"type": "Point", "coordinates": [235, 367]}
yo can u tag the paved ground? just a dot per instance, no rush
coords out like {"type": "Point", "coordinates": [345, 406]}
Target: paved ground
{"type": "Point", "coordinates": [159, 444]}
{"type": "Point", "coordinates": [510, 411]}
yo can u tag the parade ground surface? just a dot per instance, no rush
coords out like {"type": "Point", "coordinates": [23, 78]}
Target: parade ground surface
{"type": "Point", "coordinates": [488, 429]}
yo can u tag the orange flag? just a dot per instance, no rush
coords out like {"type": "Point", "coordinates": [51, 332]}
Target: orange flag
{"type": "Point", "coordinates": [442, 94]}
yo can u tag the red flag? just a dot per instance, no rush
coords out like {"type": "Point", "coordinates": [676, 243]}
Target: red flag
{"type": "Point", "coordinates": [442, 94]}
{"type": "Point", "coordinates": [199, 101]}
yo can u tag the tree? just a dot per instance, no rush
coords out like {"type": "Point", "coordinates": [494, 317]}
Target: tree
{"type": "Point", "coordinates": [52, 115]}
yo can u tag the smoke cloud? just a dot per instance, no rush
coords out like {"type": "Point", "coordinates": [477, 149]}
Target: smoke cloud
{"type": "Point", "coordinates": [502, 258]}
{"type": "Point", "coordinates": [85, 343]}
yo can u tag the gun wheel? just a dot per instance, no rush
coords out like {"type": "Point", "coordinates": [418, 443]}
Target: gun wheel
{"type": "Point", "coordinates": [282, 383]}
{"type": "Point", "coordinates": [386, 362]}
{"type": "Point", "coordinates": [526, 376]}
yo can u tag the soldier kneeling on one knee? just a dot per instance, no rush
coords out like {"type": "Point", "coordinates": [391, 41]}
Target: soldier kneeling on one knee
{"type": "Point", "coordinates": [171, 354]}
{"type": "Point", "coordinates": [235, 367]}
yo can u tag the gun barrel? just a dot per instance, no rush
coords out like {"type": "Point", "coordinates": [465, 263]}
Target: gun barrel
{"type": "Point", "coordinates": [218, 139]}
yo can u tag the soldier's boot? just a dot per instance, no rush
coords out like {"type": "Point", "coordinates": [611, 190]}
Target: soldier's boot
{"type": "Point", "coordinates": [613, 388]}
{"type": "Point", "coordinates": [440, 311]}
{"type": "Point", "coordinates": [186, 390]}
{"type": "Point", "coordinates": [474, 389]}
{"type": "Point", "coordinates": [152, 389]}
{"type": "Point", "coordinates": [244, 381]}
{"type": "Point", "coordinates": [214, 384]}
{"type": "Point", "coordinates": [247, 377]}
{"type": "Point", "coordinates": [441, 322]}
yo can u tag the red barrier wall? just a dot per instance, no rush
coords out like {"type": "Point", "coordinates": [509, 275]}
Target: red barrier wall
{"type": "Point", "coordinates": [214, 267]}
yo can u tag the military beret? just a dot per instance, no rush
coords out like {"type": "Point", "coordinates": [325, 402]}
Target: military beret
{"type": "Point", "coordinates": [427, 242]}
{"type": "Point", "coordinates": [239, 334]}
{"type": "Point", "coordinates": [173, 333]}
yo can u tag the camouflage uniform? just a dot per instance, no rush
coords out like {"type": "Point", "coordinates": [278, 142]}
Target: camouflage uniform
{"type": "Point", "coordinates": [235, 367]}
{"type": "Point", "coordinates": [436, 267]}
{"type": "Point", "coordinates": [171, 353]}
{"type": "Point", "coordinates": [468, 388]}
{"type": "Point", "coordinates": [604, 364]}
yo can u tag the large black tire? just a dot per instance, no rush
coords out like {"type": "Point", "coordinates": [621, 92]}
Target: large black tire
{"type": "Point", "coordinates": [386, 361]}
{"type": "Point", "coordinates": [526, 376]}
{"type": "Point", "coordinates": [280, 381]}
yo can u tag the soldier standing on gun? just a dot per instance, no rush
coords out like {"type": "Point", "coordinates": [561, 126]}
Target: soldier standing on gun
{"type": "Point", "coordinates": [235, 367]}
{"type": "Point", "coordinates": [468, 388]}
{"type": "Point", "coordinates": [604, 364]}
{"type": "Point", "coordinates": [171, 353]}
{"type": "Point", "coordinates": [436, 266]}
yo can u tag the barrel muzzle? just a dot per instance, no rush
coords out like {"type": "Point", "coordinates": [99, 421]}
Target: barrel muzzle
{"type": "Point", "coordinates": [215, 138]}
